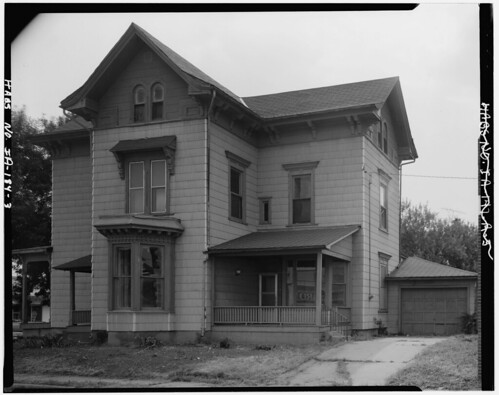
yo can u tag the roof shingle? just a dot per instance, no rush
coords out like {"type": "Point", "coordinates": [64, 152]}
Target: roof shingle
{"type": "Point", "coordinates": [317, 238]}
{"type": "Point", "coordinates": [415, 267]}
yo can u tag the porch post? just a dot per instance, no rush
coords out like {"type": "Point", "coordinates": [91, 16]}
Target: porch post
{"type": "Point", "coordinates": [329, 283]}
{"type": "Point", "coordinates": [24, 296]}
{"type": "Point", "coordinates": [72, 305]}
{"type": "Point", "coordinates": [213, 290]}
{"type": "Point", "coordinates": [318, 290]}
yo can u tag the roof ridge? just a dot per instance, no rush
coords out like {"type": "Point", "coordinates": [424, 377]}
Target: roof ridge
{"type": "Point", "coordinates": [394, 78]}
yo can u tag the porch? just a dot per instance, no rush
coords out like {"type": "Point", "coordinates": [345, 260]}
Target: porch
{"type": "Point", "coordinates": [295, 279]}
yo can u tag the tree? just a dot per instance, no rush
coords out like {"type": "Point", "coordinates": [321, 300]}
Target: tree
{"type": "Point", "coordinates": [31, 197]}
{"type": "Point", "coordinates": [450, 242]}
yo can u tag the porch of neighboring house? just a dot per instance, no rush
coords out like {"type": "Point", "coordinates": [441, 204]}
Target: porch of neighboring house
{"type": "Point", "coordinates": [79, 320]}
{"type": "Point", "coordinates": [34, 312]}
{"type": "Point", "coordinates": [266, 285]}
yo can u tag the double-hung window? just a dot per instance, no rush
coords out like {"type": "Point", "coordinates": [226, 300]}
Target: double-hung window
{"type": "Point", "coordinates": [237, 186]}
{"type": "Point", "coordinates": [139, 104]}
{"type": "Point", "coordinates": [158, 97]}
{"type": "Point", "coordinates": [383, 200]}
{"type": "Point", "coordinates": [147, 186]}
{"type": "Point", "coordinates": [339, 297]}
{"type": "Point", "coordinates": [301, 192]}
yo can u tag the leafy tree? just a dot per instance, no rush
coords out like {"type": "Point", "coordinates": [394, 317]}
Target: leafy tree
{"type": "Point", "coordinates": [31, 197]}
{"type": "Point", "coordinates": [450, 242]}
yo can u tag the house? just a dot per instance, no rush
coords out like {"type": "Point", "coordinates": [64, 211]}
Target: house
{"type": "Point", "coordinates": [183, 210]}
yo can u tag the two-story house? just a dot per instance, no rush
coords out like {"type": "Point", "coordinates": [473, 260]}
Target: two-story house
{"type": "Point", "coordinates": [182, 210]}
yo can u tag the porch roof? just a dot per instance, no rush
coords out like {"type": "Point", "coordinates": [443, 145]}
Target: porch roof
{"type": "Point", "coordinates": [284, 240]}
{"type": "Point", "coordinates": [82, 265]}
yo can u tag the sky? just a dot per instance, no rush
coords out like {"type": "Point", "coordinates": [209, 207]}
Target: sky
{"type": "Point", "coordinates": [434, 50]}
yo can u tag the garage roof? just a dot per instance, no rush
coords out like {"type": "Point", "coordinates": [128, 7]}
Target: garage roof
{"type": "Point", "coordinates": [282, 240]}
{"type": "Point", "coordinates": [415, 267]}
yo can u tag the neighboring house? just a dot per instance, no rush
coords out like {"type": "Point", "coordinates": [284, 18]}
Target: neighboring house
{"type": "Point", "coordinates": [428, 298]}
{"type": "Point", "coordinates": [182, 210]}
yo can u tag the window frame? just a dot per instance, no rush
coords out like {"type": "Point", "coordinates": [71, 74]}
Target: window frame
{"type": "Point", "coordinates": [135, 244]}
{"type": "Point", "coordinates": [344, 283]}
{"type": "Point", "coordinates": [260, 288]}
{"type": "Point", "coordinates": [382, 286]}
{"type": "Point", "coordinates": [135, 104]}
{"type": "Point", "coordinates": [147, 158]}
{"type": "Point", "coordinates": [261, 204]}
{"type": "Point", "coordinates": [153, 101]}
{"type": "Point", "coordinates": [240, 165]}
{"type": "Point", "coordinates": [384, 147]}
{"type": "Point", "coordinates": [296, 170]}
{"type": "Point", "coordinates": [384, 180]}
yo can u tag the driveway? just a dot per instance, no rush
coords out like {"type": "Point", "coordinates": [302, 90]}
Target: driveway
{"type": "Point", "coordinates": [359, 363]}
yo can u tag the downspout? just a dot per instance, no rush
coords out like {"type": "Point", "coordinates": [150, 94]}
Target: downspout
{"type": "Point", "coordinates": [207, 205]}
{"type": "Point", "coordinates": [368, 214]}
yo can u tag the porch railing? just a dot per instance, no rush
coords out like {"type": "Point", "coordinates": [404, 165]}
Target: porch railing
{"type": "Point", "coordinates": [79, 317]}
{"type": "Point", "coordinates": [281, 315]}
{"type": "Point", "coordinates": [278, 315]}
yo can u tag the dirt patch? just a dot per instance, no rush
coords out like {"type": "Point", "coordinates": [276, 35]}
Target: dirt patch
{"type": "Point", "coordinates": [235, 366]}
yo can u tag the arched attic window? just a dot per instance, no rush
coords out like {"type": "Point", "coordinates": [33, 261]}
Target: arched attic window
{"type": "Point", "coordinates": [139, 104]}
{"type": "Point", "coordinates": [158, 98]}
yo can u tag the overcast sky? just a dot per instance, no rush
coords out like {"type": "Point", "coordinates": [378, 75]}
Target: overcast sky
{"type": "Point", "coordinates": [433, 49]}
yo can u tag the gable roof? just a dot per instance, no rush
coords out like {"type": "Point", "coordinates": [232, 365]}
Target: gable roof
{"type": "Point", "coordinates": [415, 267]}
{"type": "Point", "coordinates": [338, 97]}
{"type": "Point", "coordinates": [290, 239]}
{"type": "Point", "coordinates": [81, 265]}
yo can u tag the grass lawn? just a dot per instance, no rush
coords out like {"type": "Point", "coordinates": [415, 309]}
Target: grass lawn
{"type": "Point", "coordinates": [234, 366]}
{"type": "Point", "coordinates": [448, 365]}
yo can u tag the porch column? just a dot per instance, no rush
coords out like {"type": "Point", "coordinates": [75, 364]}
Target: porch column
{"type": "Point", "coordinates": [318, 290]}
{"type": "Point", "coordinates": [72, 305]}
{"type": "Point", "coordinates": [329, 284]}
{"type": "Point", "coordinates": [24, 296]}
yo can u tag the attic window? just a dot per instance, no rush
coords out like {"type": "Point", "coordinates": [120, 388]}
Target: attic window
{"type": "Point", "coordinates": [139, 104]}
{"type": "Point", "coordinates": [157, 101]}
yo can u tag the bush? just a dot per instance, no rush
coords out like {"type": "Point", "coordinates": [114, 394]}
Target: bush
{"type": "Point", "coordinates": [148, 342]}
{"type": "Point", "coordinates": [98, 338]}
{"type": "Point", "coordinates": [46, 341]}
{"type": "Point", "coordinates": [468, 323]}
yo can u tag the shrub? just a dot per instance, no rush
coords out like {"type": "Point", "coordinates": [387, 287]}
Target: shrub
{"type": "Point", "coordinates": [148, 342]}
{"type": "Point", "coordinates": [46, 341]}
{"type": "Point", "coordinates": [98, 338]}
{"type": "Point", "coordinates": [468, 323]}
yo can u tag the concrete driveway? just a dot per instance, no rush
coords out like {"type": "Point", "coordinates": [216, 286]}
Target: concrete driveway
{"type": "Point", "coordinates": [359, 363]}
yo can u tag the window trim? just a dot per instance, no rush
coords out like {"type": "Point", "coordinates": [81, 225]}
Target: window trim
{"type": "Point", "coordinates": [295, 170]}
{"type": "Point", "coordinates": [134, 103]}
{"type": "Point", "coordinates": [240, 165]}
{"type": "Point", "coordinates": [146, 158]}
{"type": "Point", "coordinates": [261, 205]}
{"type": "Point", "coordinates": [153, 101]}
{"type": "Point", "coordinates": [135, 243]}
{"type": "Point", "coordinates": [384, 180]}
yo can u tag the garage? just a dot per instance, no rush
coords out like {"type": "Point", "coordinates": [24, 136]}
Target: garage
{"type": "Point", "coordinates": [428, 298]}
{"type": "Point", "coordinates": [432, 311]}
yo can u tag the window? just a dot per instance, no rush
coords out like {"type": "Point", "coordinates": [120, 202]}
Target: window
{"type": "Point", "coordinates": [138, 276]}
{"type": "Point", "coordinates": [157, 102]}
{"type": "Point", "coordinates": [385, 138]}
{"type": "Point", "coordinates": [302, 199]}
{"type": "Point", "coordinates": [139, 104]}
{"type": "Point", "coordinates": [122, 276]}
{"type": "Point", "coordinates": [339, 297]}
{"type": "Point", "coordinates": [383, 290]}
{"type": "Point", "coordinates": [268, 289]}
{"type": "Point", "coordinates": [301, 192]}
{"type": "Point", "coordinates": [265, 211]}
{"type": "Point", "coordinates": [237, 187]}
{"type": "Point", "coordinates": [236, 193]}
{"type": "Point", "coordinates": [147, 191]}
{"type": "Point", "coordinates": [383, 206]}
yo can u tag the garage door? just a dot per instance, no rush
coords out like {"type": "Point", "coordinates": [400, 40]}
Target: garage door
{"type": "Point", "coordinates": [430, 311]}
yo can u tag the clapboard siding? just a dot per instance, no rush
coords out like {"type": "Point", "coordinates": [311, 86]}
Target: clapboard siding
{"type": "Point", "coordinates": [221, 228]}
{"type": "Point", "coordinates": [146, 68]}
{"type": "Point", "coordinates": [71, 229]}
{"type": "Point", "coordinates": [187, 203]}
